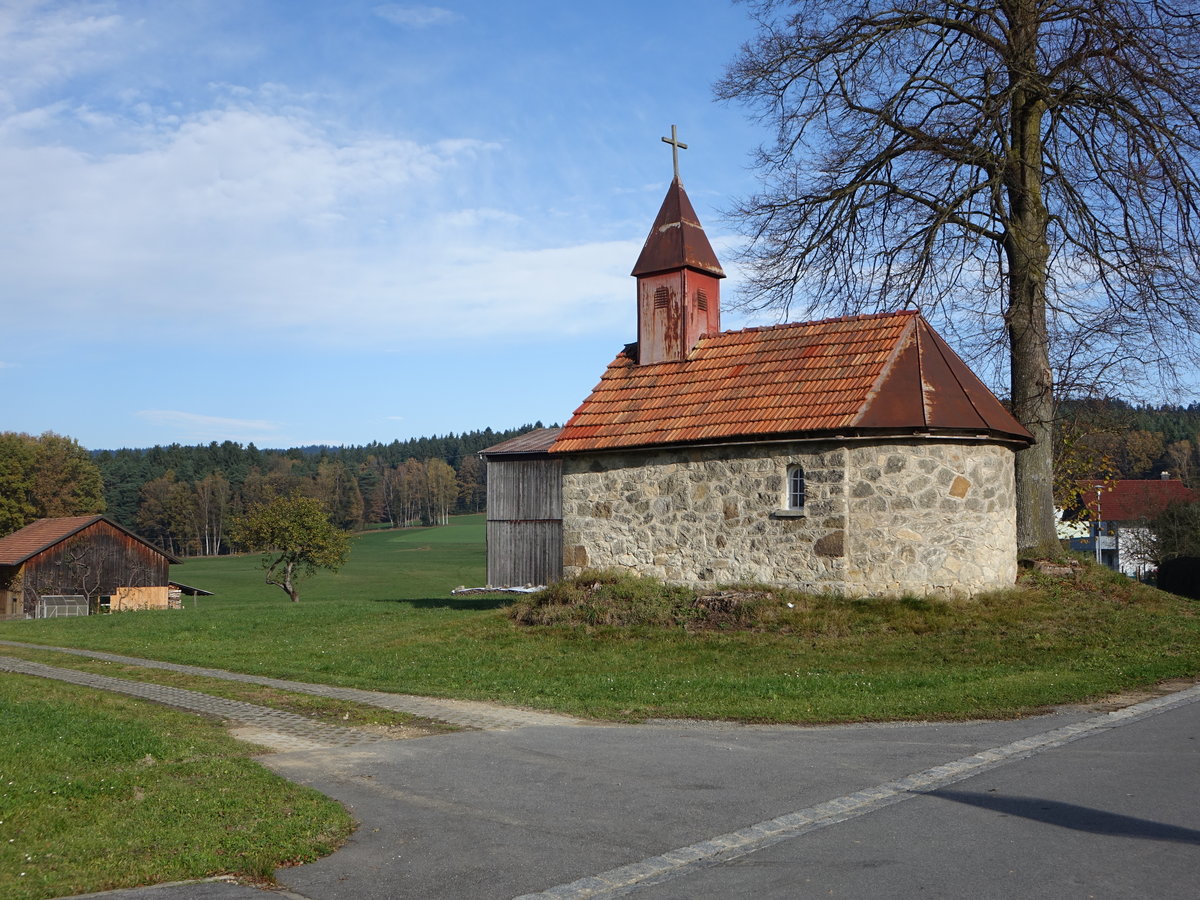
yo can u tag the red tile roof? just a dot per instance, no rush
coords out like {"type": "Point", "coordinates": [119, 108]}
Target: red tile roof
{"type": "Point", "coordinates": [31, 540]}
{"type": "Point", "coordinates": [856, 374]}
{"type": "Point", "coordinates": [1131, 499]}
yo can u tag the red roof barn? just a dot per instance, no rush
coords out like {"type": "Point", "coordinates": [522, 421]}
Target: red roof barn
{"type": "Point", "coordinates": [79, 556]}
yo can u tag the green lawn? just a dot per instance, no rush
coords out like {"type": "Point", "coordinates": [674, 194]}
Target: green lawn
{"type": "Point", "coordinates": [100, 791]}
{"type": "Point", "coordinates": [389, 622]}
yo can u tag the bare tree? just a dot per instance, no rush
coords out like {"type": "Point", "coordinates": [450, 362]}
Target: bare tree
{"type": "Point", "coordinates": [1023, 172]}
{"type": "Point", "coordinates": [213, 497]}
{"type": "Point", "coordinates": [441, 491]}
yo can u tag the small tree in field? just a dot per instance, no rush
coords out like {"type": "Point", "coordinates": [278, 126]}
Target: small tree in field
{"type": "Point", "coordinates": [296, 539]}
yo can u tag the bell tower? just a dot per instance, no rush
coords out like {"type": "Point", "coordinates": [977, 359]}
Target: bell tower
{"type": "Point", "coordinates": [678, 278]}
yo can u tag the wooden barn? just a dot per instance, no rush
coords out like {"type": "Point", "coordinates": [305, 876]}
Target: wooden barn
{"type": "Point", "coordinates": [524, 510]}
{"type": "Point", "coordinates": [74, 565]}
{"type": "Point", "coordinates": [856, 455]}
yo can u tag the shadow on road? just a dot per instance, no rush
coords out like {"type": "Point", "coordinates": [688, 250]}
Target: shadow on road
{"type": "Point", "coordinates": [1069, 815]}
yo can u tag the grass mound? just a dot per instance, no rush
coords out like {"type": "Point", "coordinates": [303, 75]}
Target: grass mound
{"type": "Point", "coordinates": [1047, 599]}
{"type": "Point", "coordinates": [597, 598]}
{"type": "Point", "coordinates": [606, 597]}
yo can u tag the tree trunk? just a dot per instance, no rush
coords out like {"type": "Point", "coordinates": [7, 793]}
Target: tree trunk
{"type": "Point", "coordinates": [1027, 250]}
{"type": "Point", "coordinates": [1033, 406]}
{"type": "Point", "coordinates": [288, 584]}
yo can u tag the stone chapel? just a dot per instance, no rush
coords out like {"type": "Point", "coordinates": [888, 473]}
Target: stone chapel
{"type": "Point", "coordinates": [855, 455]}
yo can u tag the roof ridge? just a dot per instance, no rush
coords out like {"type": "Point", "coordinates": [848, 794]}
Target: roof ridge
{"type": "Point", "coordinates": [779, 326]}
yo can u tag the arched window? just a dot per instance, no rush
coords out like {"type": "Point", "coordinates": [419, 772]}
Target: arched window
{"type": "Point", "coordinates": [795, 487]}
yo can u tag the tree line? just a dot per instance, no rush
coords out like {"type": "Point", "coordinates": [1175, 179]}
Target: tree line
{"type": "Point", "coordinates": [45, 476]}
{"type": "Point", "coordinates": [184, 498]}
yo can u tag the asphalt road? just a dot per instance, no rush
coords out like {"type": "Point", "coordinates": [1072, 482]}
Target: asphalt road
{"type": "Point", "coordinates": [1071, 805]}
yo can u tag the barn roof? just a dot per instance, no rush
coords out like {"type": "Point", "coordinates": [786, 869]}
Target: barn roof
{"type": "Point", "coordinates": [43, 534]}
{"type": "Point", "coordinates": [188, 589]}
{"type": "Point", "coordinates": [536, 442]}
{"type": "Point", "coordinates": [856, 375]}
{"type": "Point", "coordinates": [1133, 499]}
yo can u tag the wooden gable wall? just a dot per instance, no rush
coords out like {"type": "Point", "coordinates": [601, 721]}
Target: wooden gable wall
{"type": "Point", "coordinates": [94, 562]}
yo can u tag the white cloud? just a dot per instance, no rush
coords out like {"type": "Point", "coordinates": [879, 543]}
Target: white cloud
{"type": "Point", "coordinates": [7, 365]}
{"type": "Point", "coordinates": [258, 218]}
{"type": "Point", "coordinates": [232, 222]}
{"type": "Point", "coordinates": [42, 44]}
{"type": "Point", "coordinates": [469, 218]}
{"type": "Point", "coordinates": [410, 16]}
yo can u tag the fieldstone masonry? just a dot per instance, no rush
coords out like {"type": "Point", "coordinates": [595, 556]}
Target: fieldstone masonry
{"type": "Point", "coordinates": [931, 518]}
{"type": "Point", "coordinates": [882, 518]}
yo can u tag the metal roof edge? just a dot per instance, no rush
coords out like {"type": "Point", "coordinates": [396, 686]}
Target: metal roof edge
{"type": "Point", "coordinates": [885, 371]}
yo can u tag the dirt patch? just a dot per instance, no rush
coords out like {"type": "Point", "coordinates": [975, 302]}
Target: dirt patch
{"type": "Point", "coordinates": [404, 732]}
{"type": "Point", "coordinates": [1113, 702]}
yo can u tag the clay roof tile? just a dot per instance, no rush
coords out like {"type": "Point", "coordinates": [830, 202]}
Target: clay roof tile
{"type": "Point", "coordinates": [862, 373]}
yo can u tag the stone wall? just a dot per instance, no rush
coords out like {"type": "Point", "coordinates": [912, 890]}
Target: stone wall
{"type": "Point", "coordinates": [880, 518]}
{"type": "Point", "coordinates": [931, 518]}
{"type": "Point", "coordinates": [707, 515]}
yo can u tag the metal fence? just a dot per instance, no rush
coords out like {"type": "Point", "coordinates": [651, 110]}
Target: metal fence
{"type": "Point", "coordinates": [55, 606]}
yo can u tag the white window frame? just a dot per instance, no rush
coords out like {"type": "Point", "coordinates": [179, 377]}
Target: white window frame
{"type": "Point", "coordinates": [792, 502]}
{"type": "Point", "coordinates": [796, 489]}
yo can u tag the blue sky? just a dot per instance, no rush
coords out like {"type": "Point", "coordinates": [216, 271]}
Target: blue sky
{"type": "Point", "coordinates": [294, 222]}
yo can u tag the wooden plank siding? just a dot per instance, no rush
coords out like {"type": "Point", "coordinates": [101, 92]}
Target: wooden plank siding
{"type": "Point", "coordinates": [521, 553]}
{"type": "Point", "coordinates": [524, 521]}
{"type": "Point", "coordinates": [94, 562]}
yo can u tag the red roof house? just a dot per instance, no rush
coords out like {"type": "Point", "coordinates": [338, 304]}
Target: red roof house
{"type": "Point", "coordinates": [858, 454]}
{"type": "Point", "coordinates": [1133, 499]}
{"type": "Point", "coordinates": [1120, 513]}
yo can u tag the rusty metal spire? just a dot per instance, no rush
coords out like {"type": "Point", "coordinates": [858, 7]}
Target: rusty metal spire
{"type": "Point", "coordinates": [676, 146]}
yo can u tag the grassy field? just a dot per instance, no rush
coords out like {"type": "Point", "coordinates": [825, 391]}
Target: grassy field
{"type": "Point", "coordinates": [388, 622]}
{"type": "Point", "coordinates": [99, 791]}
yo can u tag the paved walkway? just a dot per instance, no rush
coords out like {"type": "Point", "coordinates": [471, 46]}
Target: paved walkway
{"type": "Point", "coordinates": [465, 713]}
{"type": "Point", "coordinates": [259, 724]}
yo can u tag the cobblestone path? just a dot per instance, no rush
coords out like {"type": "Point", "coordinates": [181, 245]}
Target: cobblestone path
{"type": "Point", "coordinates": [260, 724]}
{"type": "Point", "coordinates": [465, 713]}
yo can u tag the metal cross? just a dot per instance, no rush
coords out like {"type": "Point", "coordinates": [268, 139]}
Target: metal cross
{"type": "Point", "coordinates": [676, 146]}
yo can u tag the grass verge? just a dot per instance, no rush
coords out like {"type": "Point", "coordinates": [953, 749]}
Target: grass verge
{"type": "Point", "coordinates": [330, 711]}
{"type": "Point", "coordinates": [98, 791]}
